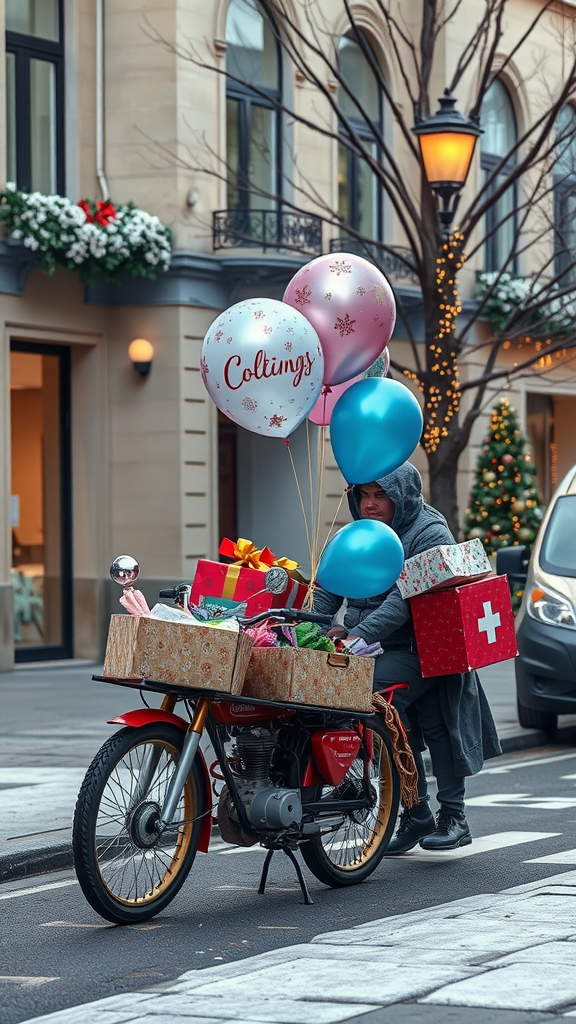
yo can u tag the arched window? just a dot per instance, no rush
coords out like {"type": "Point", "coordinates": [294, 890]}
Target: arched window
{"type": "Point", "coordinates": [252, 118]}
{"type": "Point", "coordinates": [500, 133]}
{"type": "Point", "coordinates": [359, 194]}
{"type": "Point", "coordinates": [565, 195]}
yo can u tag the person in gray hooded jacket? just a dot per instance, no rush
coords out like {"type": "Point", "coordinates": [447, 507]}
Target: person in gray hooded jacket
{"type": "Point", "coordinates": [450, 713]}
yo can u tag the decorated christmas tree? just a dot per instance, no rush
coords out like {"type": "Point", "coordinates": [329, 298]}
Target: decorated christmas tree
{"type": "Point", "coordinates": [504, 506]}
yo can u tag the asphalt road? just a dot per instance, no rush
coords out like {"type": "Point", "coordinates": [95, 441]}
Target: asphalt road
{"type": "Point", "coordinates": [56, 952]}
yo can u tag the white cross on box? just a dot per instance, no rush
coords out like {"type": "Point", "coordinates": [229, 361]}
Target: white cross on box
{"type": "Point", "coordinates": [489, 624]}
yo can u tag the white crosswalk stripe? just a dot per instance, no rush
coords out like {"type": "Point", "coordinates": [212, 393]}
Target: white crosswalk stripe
{"type": "Point", "coordinates": [564, 857]}
{"type": "Point", "coordinates": [542, 803]}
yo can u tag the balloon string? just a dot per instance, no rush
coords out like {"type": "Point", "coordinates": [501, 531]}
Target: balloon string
{"type": "Point", "coordinates": [320, 494]}
{"type": "Point", "coordinates": [287, 443]}
{"type": "Point", "coordinates": [344, 493]}
{"type": "Point", "coordinates": [311, 486]}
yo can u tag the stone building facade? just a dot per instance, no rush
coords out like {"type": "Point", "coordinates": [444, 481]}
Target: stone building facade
{"type": "Point", "coordinates": [96, 460]}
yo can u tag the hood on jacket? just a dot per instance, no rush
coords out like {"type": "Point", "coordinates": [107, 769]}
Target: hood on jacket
{"type": "Point", "coordinates": [404, 487]}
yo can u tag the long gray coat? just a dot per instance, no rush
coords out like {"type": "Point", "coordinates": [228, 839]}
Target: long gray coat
{"type": "Point", "coordinates": [387, 619]}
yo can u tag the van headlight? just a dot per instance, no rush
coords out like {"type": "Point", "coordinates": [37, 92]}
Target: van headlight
{"type": "Point", "coordinates": [546, 606]}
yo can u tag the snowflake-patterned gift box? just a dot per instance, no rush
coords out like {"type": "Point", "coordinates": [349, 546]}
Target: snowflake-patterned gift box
{"type": "Point", "coordinates": [444, 566]}
{"type": "Point", "coordinates": [464, 627]}
{"type": "Point", "coordinates": [175, 652]}
{"type": "Point", "coordinates": [310, 677]}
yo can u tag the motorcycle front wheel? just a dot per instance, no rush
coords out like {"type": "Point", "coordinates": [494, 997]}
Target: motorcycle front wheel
{"type": "Point", "coordinates": [348, 855]}
{"type": "Point", "coordinates": [128, 871]}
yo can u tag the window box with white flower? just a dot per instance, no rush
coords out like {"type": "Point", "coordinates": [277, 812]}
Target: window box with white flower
{"type": "Point", "coordinates": [89, 238]}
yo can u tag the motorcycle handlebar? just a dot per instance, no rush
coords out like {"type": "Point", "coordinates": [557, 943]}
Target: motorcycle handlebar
{"type": "Point", "coordinates": [289, 614]}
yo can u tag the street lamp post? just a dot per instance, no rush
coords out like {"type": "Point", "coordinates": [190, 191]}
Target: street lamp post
{"type": "Point", "coordinates": [447, 141]}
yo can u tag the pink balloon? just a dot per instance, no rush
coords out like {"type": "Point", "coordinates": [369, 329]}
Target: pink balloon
{"type": "Point", "coordinates": [322, 411]}
{"type": "Point", "coordinates": [350, 304]}
{"type": "Point", "coordinates": [321, 414]}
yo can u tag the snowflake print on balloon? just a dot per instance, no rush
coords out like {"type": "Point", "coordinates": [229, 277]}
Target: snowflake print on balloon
{"type": "Point", "coordinates": [328, 296]}
{"type": "Point", "coordinates": [340, 267]}
{"type": "Point", "coordinates": [268, 330]}
{"type": "Point", "coordinates": [259, 314]}
{"type": "Point", "coordinates": [276, 420]}
{"type": "Point", "coordinates": [229, 341]}
{"type": "Point", "coordinates": [249, 404]}
{"type": "Point", "coordinates": [303, 295]}
{"type": "Point", "coordinates": [344, 325]}
{"type": "Point", "coordinates": [361, 291]}
{"type": "Point", "coordinates": [204, 369]}
{"type": "Point", "coordinates": [379, 294]}
{"type": "Point", "coordinates": [288, 346]}
{"type": "Point", "coordinates": [218, 335]}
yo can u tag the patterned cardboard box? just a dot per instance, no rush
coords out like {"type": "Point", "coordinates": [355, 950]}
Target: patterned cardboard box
{"type": "Point", "coordinates": [444, 566]}
{"type": "Point", "coordinates": [310, 677]}
{"type": "Point", "coordinates": [175, 652]}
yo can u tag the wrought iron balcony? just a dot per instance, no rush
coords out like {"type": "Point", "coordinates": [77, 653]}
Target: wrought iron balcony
{"type": "Point", "coordinates": [398, 264]}
{"type": "Point", "coordinates": [268, 229]}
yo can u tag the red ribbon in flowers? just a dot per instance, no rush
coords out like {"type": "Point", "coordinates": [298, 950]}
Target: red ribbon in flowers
{"type": "Point", "coordinates": [98, 213]}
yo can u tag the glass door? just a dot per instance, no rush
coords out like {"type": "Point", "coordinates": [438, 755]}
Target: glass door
{"type": "Point", "coordinates": [41, 500]}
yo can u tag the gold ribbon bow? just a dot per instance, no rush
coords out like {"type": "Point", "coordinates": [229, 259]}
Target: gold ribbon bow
{"type": "Point", "coordinates": [247, 554]}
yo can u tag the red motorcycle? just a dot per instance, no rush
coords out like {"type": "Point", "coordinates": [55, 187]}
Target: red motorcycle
{"type": "Point", "coordinates": [295, 777]}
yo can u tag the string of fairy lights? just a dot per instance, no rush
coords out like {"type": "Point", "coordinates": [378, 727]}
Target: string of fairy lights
{"type": "Point", "coordinates": [442, 393]}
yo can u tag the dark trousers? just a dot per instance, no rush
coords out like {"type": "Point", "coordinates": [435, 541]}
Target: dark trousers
{"type": "Point", "coordinates": [404, 667]}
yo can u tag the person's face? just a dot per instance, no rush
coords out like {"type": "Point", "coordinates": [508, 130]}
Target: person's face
{"type": "Point", "coordinates": [375, 503]}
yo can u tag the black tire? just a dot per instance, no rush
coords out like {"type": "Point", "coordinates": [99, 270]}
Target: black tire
{"type": "Point", "coordinates": [349, 855]}
{"type": "Point", "coordinates": [530, 718]}
{"type": "Point", "coordinates": [126, 871]}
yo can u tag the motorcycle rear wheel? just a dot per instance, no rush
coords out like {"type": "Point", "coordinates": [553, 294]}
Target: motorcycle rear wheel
{"type": "Point", "coordinates": [348, 855]}
{"type": "Point", "coordinates": [127, 871]}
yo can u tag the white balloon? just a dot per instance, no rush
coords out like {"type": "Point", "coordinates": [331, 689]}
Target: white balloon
{"type": "Point", "coordinates": [262, 365]}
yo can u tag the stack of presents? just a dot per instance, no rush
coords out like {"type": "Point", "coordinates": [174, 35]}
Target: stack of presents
{"type": "Point", "coordinates": [462, 616]}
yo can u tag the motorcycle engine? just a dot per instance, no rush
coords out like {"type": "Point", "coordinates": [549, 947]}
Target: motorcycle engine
{"type": "Point", "coordinates": [268, 806]}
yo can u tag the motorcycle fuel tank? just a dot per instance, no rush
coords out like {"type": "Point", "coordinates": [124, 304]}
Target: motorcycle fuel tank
{"type": "Point", "coordinates": [334, 752]}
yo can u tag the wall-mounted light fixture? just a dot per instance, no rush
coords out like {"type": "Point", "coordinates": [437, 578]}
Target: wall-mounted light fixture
{"type": "Point", "coordinates": [141, 353]}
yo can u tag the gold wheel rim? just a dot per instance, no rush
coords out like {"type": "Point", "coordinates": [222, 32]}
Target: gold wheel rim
{"type": "Point", "coordinates": [352, 845]}
{"type": "Point", "coordinates": [155, 867]}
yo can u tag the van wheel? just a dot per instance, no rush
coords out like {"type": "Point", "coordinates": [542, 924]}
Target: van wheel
{"type": "Point", "coordinates": [529, 718]}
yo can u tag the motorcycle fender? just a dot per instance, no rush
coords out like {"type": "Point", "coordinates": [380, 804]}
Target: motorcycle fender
{"type": "Point", "coordinates": [144, 716]}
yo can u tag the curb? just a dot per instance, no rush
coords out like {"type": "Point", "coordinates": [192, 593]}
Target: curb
{"type": "Point", "coordinates": [43, 860]}
{"type": "Point", "coordinates": [40, 861]}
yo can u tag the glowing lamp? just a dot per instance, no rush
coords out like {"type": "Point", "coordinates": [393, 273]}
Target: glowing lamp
{"type": "Point", "coordinates": [447, 141]}
{"type": "Point", "coordinates": [141, 353]}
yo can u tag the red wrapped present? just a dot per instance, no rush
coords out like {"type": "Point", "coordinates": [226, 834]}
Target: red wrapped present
{"type": "Point", "coordinates": [465, 627]}
{"type": "Point", "coordinates": [228, 585]}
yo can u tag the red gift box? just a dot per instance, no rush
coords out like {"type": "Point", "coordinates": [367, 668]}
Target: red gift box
{"type": "Point", "coordinates": [235, 583]}
{"type": "Point", "coordinates": [465, 627]}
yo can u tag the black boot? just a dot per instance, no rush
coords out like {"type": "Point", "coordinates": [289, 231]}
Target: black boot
{"type": "Point", "coordinates": [451, 832]}
{"type": "Point", "coordinates": [415, 823]}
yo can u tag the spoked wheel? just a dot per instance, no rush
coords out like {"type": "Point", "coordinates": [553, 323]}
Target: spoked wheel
{"type": "Point", "coordinates": [128, 871]}
{"type": "Point", "coordinates": [348, 855]}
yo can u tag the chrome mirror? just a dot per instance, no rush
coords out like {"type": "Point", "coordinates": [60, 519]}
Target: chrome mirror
{"type": "Point", "coordinates": [276, 580]}
{"type": "Point", "coordinates": [125, 571]}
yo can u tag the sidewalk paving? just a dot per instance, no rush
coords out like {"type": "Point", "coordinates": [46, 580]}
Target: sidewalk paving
{"type": "Point", "coordinates": [505, 958]}
{"type": "Point", "coordinates": [38, 791]}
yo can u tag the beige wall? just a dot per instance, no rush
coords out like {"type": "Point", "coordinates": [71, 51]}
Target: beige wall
{"type": "Point", "coordinates": [145, 449]}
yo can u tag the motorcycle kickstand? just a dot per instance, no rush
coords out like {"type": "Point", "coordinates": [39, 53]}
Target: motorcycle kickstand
{"type": "Point", "coordinates": [309, 902]}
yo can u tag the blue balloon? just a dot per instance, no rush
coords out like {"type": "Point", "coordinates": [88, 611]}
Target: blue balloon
{"type": "Point", "coordinates": [375, 427]}
{"type": "Point", "coordinates": [363, 559]}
